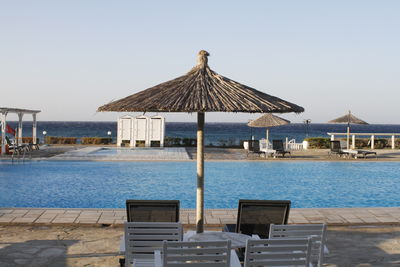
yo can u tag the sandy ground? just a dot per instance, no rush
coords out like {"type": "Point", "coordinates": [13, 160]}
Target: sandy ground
{"type": "Point", "coordinates": [98, 246]}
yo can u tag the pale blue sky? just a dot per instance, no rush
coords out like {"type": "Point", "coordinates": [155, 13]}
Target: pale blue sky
{"type": "Point", "coordinates": [67, 58]}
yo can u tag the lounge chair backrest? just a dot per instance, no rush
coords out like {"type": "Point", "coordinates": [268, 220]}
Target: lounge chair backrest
{"type": "Point", "coordinates": [212, 253]}
{"type": "Point", "coordinates": [317, 233]}
{"type": "Point", "coordinates": [277, 145]}
{"type": "Point", "coordinates": [335, 146]}
{"type": "Point", "coordinates": [255, 216]}
{"type": "Point", "coordinates": [277, 252]}
{"type": "Point", "coordinates": [152, 210]}
{"type": "Point", "coordinates": [254, 146]}
{"type": "Point", "coordinates": [142, 238]}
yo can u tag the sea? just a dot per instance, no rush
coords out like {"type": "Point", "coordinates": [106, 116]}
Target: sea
{"type": "Point", "coordinates": [215, 133]}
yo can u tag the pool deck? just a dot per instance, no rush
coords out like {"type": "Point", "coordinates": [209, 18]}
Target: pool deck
{"type": "Point", "coordinates": [213, 218]}
{"type": "Point", "coordinates": [81, 152]}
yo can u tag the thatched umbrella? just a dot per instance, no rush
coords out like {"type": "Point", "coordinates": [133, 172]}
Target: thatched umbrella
{"type": "Point", "coordinates": [349, 119]}
{"type": "Point", "coordinates": [267, 121]}
{"type": "Point", "coordinates": [201, 90]}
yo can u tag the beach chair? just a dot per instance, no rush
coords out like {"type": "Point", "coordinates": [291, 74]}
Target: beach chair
{"type": "Point", "coordinates": [278, 252]}
{"type": "Point", "coordinates": [255, 216]}
{"type": "Point", "coordinates": [17, 149]}
{"type": "Point", "coordinates": [364, 153]}
{"type": "Point", "coordinates": [277, 145]}
{"type": "Point", "coordinates": [336, 149]}
{"type": "Point", "coordinates": [152, 210]}
{"type": "Point", "coordinates": [195, 254]}
{"type": "Point", "coordinates": [317, 233]}
{"type": "Point", "coordinates": [254, 147]}
{"type": "Point", "coordinates": [143, 238]}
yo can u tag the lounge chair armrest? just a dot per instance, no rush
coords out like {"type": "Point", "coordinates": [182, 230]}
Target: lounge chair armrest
{"type": "Point", "coordinates": [157, 258]}
{"type": "Point", "coordinates": [234, 259]}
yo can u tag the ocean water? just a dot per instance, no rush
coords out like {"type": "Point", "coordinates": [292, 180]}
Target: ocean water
{"type": "Point", "coordinates": [215, 133]}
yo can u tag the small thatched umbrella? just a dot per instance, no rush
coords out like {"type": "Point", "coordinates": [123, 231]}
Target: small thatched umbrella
{"type": "Point", "coordinates": [267, 121]}
{"type": "Point", "coordinates": [349, 119]}
{"type": "Point", "coordinates": [201, 90]}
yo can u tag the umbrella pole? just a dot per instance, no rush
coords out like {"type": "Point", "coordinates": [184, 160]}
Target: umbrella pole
{"type": "Point", "coordinates": [348, 137]}
{"type": "Point", "coordinates": [200, 174]}
{"type": "Point", "coordinates": [267, 143]}
{"type": "Point", "coordinates": [348, 130]}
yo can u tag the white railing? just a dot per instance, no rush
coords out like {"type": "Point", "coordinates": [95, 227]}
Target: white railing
{"type": "Point", "coordinates": [292, 145]}
{"type": "Point", "coordinates": [372, 140]}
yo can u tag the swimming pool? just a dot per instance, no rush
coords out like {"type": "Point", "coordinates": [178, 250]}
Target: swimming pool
{"type": "Point", "coordinates": [85, 184]}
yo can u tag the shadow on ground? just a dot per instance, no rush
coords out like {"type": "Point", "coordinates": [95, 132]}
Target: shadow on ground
{"type": "Point", "coordinates": [363, 246]}
{"type": "Point", "coordinates": [35, 253]}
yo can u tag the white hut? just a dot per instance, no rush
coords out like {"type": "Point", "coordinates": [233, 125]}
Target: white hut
{"type": "Point", "coordinates": [141, 131]}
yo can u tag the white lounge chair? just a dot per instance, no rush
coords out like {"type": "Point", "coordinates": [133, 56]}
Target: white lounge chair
{"type": "Point", "coordinates": [278, 252]}
{"type": "Point", "coordinates": [317, 233]}
{"type": "Point", "coordinates": [195, 254]}
{"type": "Point", "coordinates": [143, 238]}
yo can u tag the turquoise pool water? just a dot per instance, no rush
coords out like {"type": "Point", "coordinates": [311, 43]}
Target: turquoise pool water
{"type": "Point", "coordinates": [84, 184]}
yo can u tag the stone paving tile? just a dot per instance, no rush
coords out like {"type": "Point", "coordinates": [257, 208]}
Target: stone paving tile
{"type": "Point", "coordinates": [20, 211]}
{"type": "Point", "coordinates": [63, 220]}
{"type": "Point", "coordinates": [45, 220]}
{"type": "Point", "coordinates": [73, 211]}
{"type": "Point", "coordinates": [370, 220]}
{"type": "Point", "coordinates": [35, 212]}
{"type": "Point", "coordinates": [103, 221]}
{"type": "Point", "coordinates": [54, 211]}
{"type": "Point", "coordinates": [387, 219]}
{"type": "Point", "coordinates": [6, 219]}
{"type": "Point", "coordinates": [4, 211]}
{"type": "Point", "coordinates": [24, 220]}
{"type": "Point", "coordinates": [354, 220]}
{"type": "Point", "coordinates": [48, 216]}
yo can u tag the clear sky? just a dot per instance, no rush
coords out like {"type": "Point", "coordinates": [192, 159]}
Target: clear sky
{"type": "Point", "coordinates": [69, 57]}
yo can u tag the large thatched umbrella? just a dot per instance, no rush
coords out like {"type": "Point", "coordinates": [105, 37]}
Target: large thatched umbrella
{"type": "Point", "coordinates": [201, 90]}
{"type": "Point", "coordinates": [349, 119]}
{"type": "Point", "coordinates": [267, 121]}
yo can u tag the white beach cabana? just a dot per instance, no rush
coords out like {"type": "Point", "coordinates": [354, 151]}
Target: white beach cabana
{"type": "Point", "coordinates": [141, 129]}
{"type": "Point", "coordinates": [20, 112]}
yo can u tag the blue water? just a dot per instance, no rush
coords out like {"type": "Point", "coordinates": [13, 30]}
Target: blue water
{"type": "Point", "coordinates": [215, 133]}
{"type": "Point", "coordinates": [83, 184]}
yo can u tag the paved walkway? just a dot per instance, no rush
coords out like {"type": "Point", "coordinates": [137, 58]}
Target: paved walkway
{"type": "Point", "coordinates": [214, 217]}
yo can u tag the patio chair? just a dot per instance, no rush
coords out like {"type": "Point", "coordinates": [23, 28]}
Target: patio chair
{"type": "Point", "coordinates": [195, 254]}
{"type": "Point", "coordinates": [17, 149]}
{"type": "Point", "coordinates": [143, 238]}
{"type": "Point", "coordinates": [317, 233]}
{"type": "Point", "coordinates": [336, 149]}
{"type": "Point", "coordinates": [278, 252]}
{"type": "Point", "coordinates": [254, 147]}
{"type": "Point", "coordinates": [364, 153]}
{"type": "Point", "coordinates": [255, 216]}
{"type": "Point", "coordinates": [152, 210]}
{"type": "Point", "coordinates": [277, 145]}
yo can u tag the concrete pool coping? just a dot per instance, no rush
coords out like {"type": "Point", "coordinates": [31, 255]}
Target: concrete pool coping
{"type": "Point", "coordinates": [213, 217]}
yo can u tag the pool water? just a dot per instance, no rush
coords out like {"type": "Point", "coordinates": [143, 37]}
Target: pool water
{"type": "Point", "coordinates": [85, 184]}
